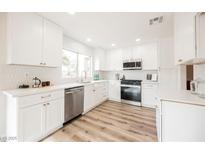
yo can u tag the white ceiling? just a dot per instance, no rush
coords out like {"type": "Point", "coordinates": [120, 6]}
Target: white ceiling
{"type": "Point", "coordinates": [106, 28]}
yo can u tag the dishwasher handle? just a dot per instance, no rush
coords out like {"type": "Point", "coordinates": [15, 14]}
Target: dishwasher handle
{"type": "Point", "coordinates": [72, 92]}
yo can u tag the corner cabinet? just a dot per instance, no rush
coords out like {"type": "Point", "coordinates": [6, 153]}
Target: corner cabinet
{"type": "Point", "coordinates": [114, 90]}
{"type": "Point", "coordinates": [33, 40]}
{"type": "Point", "coordinates": [33, 117]}
{"type": "Point", "coordinates": [95, 94]}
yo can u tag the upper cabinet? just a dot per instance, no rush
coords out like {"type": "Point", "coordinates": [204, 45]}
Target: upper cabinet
{"type": "Point", "coordinates": [99, 59]}
{"type": "Point", "coordinates": [33, 40]}
{"type": "Point", "coordinates": [149, 53]}
{"type": "Point", "coordinates": [53, 42]}
{"type": "Point", "coordinates": [24, 38]}
{"type": "Point", "coordinates": [188, 37]}
{"type": "Point", "coordinates": [114, 60]}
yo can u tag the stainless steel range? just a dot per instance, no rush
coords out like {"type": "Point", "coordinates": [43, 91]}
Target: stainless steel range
{"type": "Point", "coordinates": [131, 92]}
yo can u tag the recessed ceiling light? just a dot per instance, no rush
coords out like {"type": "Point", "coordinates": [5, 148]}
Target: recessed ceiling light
{"type": "Point", "coordinates": [71, 12]}
{"type": "Point", "coordinates": [138, 39]}
{"type": "Point", "coordinates": [113, 45]}
{"type": "Point", "coordinates": [88, 40]}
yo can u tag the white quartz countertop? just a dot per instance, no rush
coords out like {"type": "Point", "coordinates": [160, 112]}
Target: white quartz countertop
{"type": "Point", "coordinates": [32, 91]}
{"type": "Point", "coordinates": [185, 97]}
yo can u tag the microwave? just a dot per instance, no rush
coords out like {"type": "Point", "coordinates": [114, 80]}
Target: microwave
{"type": "Point", "coordinates": [132, 65]}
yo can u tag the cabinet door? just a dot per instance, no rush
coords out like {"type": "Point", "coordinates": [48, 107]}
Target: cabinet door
{"type": "Point", "coordinates": [32, 122]}
{"type": "Point", "coordinates": [99, 60]}
{"type": "Point", "coordinates": [88, 97]}
{"type": "Point", "coordinates": [25, 38]}
{"type": "Point", "coordinates": [53, 39]}
{"type": "Point", "coordinates": [200, 35]}
{"type": "Point", "coordinates": [149, 56]}
{"type": "Point", "coordinates": [184, 36]}
{"type": "Point", "coordinates": [136, 53]}
{"type": "Point", "coordinates": [114, 60]}
{"type": "Point", "coordinates": [114, 90]}
{"type": "Point", "coordinates": [54, 115]}
{"type": "Point", "coordinates": [149, 95]}
{"type": "Point", "coordinates": [182, 122]}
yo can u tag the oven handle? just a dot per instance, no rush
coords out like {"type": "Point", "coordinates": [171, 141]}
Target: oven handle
{"type": "Point", "coordinates": [131, 86]}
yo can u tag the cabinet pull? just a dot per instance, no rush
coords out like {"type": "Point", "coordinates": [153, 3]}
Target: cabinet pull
{"type": "Point", "coordinates": [44, 104]}
{"type": "Point", "coordinates": [42, 97]}
{"type": "Point", "coordinates": [48, 103]}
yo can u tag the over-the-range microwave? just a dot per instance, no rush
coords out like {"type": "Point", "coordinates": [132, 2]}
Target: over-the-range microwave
{"type": "Point", "coordinates": [132, 65]}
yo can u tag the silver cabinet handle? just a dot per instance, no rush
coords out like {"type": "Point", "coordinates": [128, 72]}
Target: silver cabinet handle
{"type": "Point", "coordinates": [42, 97]}
{"type": "Point", "coordinates": [44, 104]}
{"type": "Point", "coordinates": [48, 103]}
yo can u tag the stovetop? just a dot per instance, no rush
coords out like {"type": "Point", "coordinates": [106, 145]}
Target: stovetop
{"type": "Point", "coordinates": [131, 82]}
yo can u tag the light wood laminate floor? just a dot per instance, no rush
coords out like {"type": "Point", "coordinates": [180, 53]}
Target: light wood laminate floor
{"type": "Point", "coordinates": [110, 121]}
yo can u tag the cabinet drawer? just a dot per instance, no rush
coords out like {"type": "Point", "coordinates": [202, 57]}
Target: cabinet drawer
{"type": "Point", "coordinates": [40, 98]}
{"type": "Point", "coordinates": [149, 86]}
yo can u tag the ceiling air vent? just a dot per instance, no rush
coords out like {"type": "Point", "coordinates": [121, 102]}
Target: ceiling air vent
{"type": "Point", "coordinates": [156, 20]}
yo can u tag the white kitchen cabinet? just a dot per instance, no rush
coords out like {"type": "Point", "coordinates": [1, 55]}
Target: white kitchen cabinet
{"type": "Point", "coordinates": [114, 60]}
{"type": "Point", "coordinates": [33, 117]}
{"type": "Point", "coordinates": [95, 94]}
{"type": "Point", "coordinates": [182, 122]}
{"type": "Point", "coordinates": [184, 37]}
{"type": "Point", "coordinates": [24, 38]}
{"type": "Point", "coordinates": [32, 122]}
{"type": "Point", "coordinates": [88, 97]}
{"type": "Point", "coordinates": [33, 40]}
{"type": "Point", "coordinates": [127, 54]}
{"type": "Point", "coordinates": [189, 38]}
{"type": "Point", "coordinates": [53, 41]}
{"type": "Point", "coordinates": [149, 94]}
{"type": "Point", "coordinates": [158, 121]}
{"type": "Point", "coordinates": [99, 59]}
{"type": "Point", "coordinates": [54, 115]}
{"type": "Point", "coordinates": [136, 53]}
{"type": "Point", "coordinates": [149, 53]}
{"type": "Point", "coordinates": [114, 90]}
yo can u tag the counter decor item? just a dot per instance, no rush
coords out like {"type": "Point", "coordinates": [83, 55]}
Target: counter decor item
{"type": "Point", "coordinates": [37, 82]}
{"type": "Point", "coordinates": [45, 83]}
{"type": "Point", "coordinates": [23, 86]}
{"type": "Point", "coordinates": [96, 76]}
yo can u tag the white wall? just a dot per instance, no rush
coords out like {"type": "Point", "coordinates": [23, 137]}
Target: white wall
{"type": "Point", "coordinates": [169, 73]}
{"type": "Point", "coordinates": [13, 75]}
{"type": "Point", "coordinates": [76, 46]}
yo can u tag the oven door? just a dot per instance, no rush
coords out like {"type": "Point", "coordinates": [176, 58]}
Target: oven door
{"type": "Point", "coordinates": [131, 93]}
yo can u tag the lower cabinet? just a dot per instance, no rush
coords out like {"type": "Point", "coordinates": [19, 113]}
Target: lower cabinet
{"type": "Point", "coordinates": [149, 94]}
{"type": "Point", "coordinates": [182, 122]}
{"type": "Point", "coordinates": [94, 94]}
{"type": "Point", "coordinates": [54, 115]}
{"type": "Point", "coordinates": [32, 123]}
{"type": "Point", "coordinates": [114, 90]}
{"type": "Point", "coordinates": [31, 118]}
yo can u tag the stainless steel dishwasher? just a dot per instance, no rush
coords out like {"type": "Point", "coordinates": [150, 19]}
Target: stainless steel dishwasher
{"type": "Point", "coordinates": [74, 102]}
